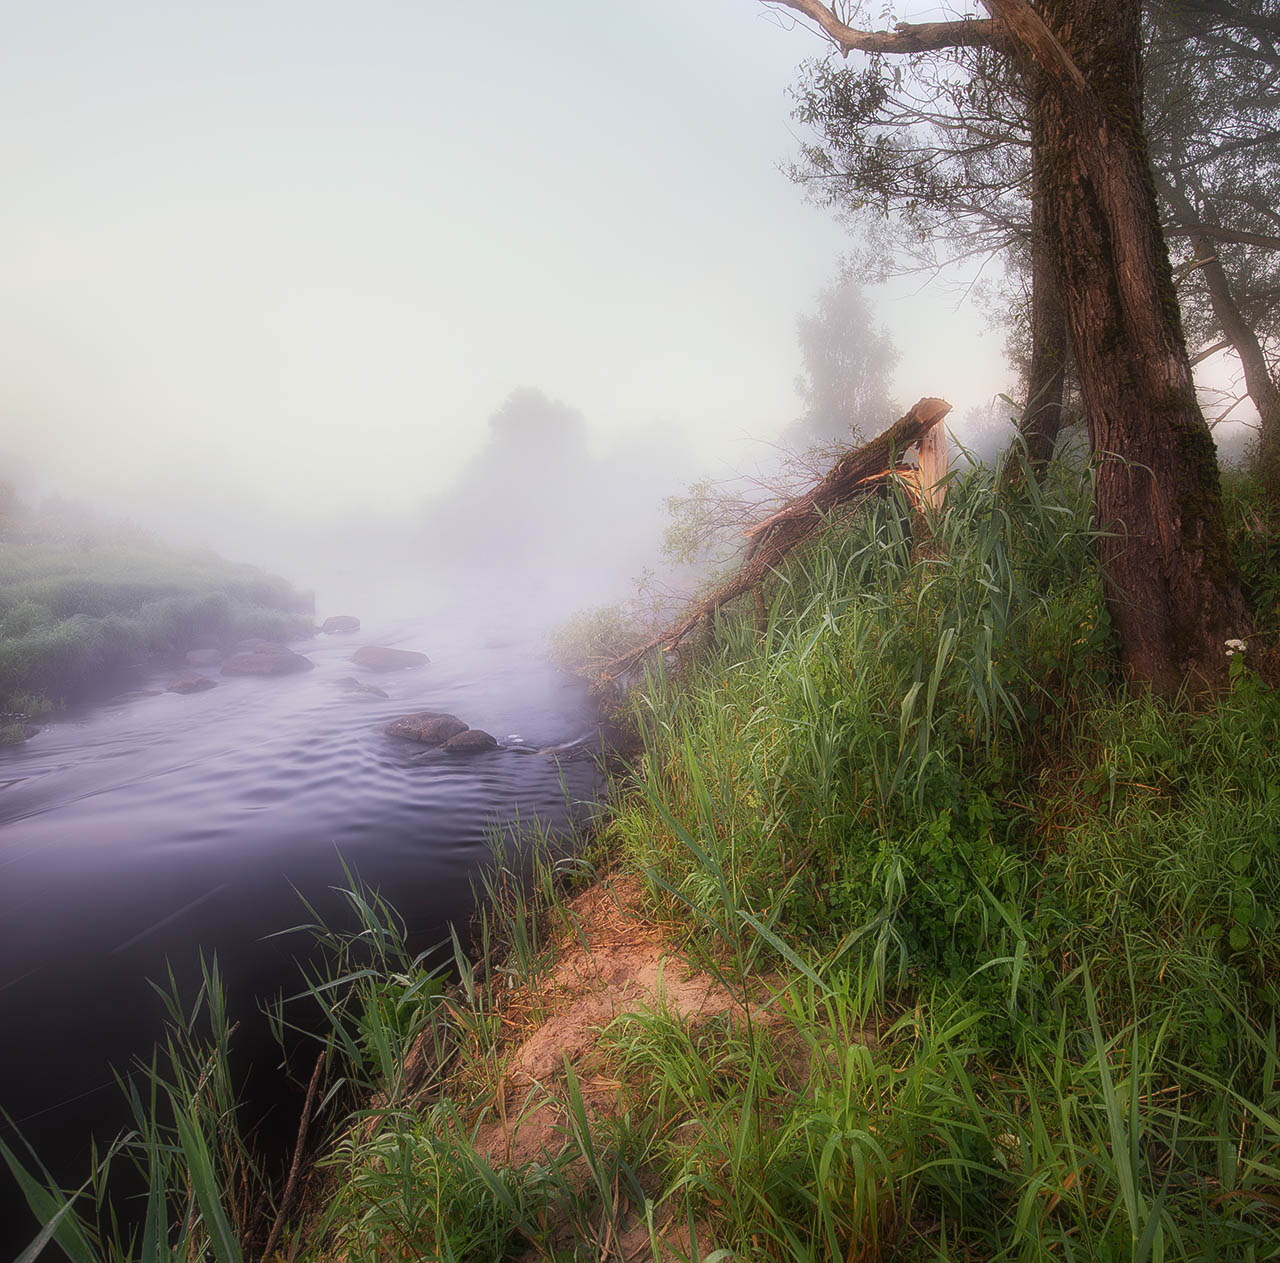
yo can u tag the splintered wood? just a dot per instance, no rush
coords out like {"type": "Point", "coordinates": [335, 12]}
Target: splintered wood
{"type": "Point", "coordinates": [859, 474]}
{"type": "Point", "coordinates": [934, 462]}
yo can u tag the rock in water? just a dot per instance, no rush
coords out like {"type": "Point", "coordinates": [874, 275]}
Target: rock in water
{"type": "Point", "coordinates": [381, 659]}
{"type": "Point", "coordinates": [267, 659]}
{"type": "Point", "coordinates": [340, 623]}
{"type": "Point", "coordinates": [429, 727]}
{"type": "Point", "coordinates": [471, 742]}
{"type": "Point", "coordinates": [204, 657]}
{"type": "Point", "coordinates": [191, 682]}
{"type": "Point", "coordinates": [350, 684]}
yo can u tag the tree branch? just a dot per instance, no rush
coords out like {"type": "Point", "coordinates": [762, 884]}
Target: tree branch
{"type": "Point", "coordinates": [1212, 231]}
{"type": "Point", "coordinates": [1209, 351]}
{"type": "Point", "coordinates": [906, 37]}
{"type": "Point", "coordinates": [859, 473]}
{"type": "Point", "coordinates": [1029, 30]}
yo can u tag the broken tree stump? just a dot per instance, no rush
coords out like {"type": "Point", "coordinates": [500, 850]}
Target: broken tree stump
{"type": "Point", "coordinates": [862, 472]}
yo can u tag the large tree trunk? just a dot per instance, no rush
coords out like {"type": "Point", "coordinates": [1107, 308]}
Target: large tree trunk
{"type": "Point", "coordinates": [1042, 417]}
{"type": "Point", "coordinates": [1171, 586]}
{"type": "Point", "coordinates": [1237, 330]}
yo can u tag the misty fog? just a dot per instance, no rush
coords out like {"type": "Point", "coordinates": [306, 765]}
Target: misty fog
{"type": "Point", "coordinates": [270, 276]}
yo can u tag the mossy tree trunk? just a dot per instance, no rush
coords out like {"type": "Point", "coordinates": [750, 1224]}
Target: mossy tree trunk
{"type": "Point", "coordinates": [1172, 589]}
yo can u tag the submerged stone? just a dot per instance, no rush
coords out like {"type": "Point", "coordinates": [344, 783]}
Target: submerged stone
{"type": "Point", "coordinates": [268, 659]}
{"type": "Point", "coordinates": [191, 682]}
{"type": "Point", "coordinates": [350, 684]}
{"type": "Point", "coordinates": [428, 727]}
{"type": "Point", "coordinates": [471, 742]}
{"type": "Point", "coordinates": [339, 623]}
{"type": "Point", "coordinates": [380, 658]}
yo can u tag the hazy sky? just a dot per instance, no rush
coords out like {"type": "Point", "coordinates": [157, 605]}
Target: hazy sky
{"type": "Point", "coordinates": [265, 259]}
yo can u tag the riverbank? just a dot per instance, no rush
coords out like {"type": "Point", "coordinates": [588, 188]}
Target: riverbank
{"type": "Point", "coordinates": [910, 934]}
{"type": "Point", "coordinates": [143, 834]}
{"type": "Point", "coordinates": [71, 618]}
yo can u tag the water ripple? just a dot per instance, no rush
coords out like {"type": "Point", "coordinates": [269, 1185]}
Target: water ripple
{"type": "Point", "coordinates": [137, 834]}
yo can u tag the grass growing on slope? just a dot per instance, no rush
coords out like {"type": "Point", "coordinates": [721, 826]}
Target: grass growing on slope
{"type": "Point", "coordinates": [998, 938]}
{"type": "Point", "coordinates": [937, 945]}
{"type": "Point", "coordinates": [921, 786]}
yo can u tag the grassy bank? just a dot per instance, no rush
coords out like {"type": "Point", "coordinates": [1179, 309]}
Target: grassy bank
{"type": "Point", "coordinates": [68, 618]}
{"type": "Point", "coordinates": [911, 936]}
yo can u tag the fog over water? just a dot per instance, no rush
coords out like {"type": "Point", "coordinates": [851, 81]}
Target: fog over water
{"type": "Point", "coordinates": [269, 272]}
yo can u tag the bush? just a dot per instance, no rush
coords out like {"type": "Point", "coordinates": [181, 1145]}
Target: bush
{"type": "Point", "coordinates": [68, 619]}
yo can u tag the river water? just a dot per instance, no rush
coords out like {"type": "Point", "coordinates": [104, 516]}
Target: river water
{"type": "Point", "coordinates": [138, 831]}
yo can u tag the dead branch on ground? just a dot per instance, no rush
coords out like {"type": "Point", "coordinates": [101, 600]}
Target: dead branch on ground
{"type": "Point", "coordinates": [858, 474]}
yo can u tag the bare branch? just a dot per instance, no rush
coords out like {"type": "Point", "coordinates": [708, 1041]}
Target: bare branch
{"type": "Point", "coordinates": [906, 37]}
{"type": "Point", "coordinates": [1212, 231]}
{"type": "Point", "coordinates": [1200, 356]}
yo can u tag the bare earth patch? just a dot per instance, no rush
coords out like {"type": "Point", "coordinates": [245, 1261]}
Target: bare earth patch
{"type": "Point", "coordinates": [615, 959]}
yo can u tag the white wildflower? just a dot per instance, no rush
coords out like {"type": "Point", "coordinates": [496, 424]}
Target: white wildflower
{"type": "Point", "coordinates": [1236, 646]}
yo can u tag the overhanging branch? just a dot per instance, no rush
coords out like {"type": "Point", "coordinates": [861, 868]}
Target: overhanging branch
{"type": "Point", "coordinates": [1029, 30]}
{"type": "Point", "coordinates": [906, 37]}
{"type": "Point", "coordinates": [1214, 233]}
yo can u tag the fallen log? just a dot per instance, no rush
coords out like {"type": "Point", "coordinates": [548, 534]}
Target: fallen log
{"type": "Point", "coordinates": [862, 472]}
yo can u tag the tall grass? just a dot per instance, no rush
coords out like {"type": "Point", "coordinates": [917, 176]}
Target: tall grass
{"type": "Point", "coordinates": [1002, 941]}
{"type": "Point", "coordinates": [922, 784]}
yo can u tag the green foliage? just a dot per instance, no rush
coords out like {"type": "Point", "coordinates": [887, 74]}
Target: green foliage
{"type": "Point", "coordinates": [1001, 943]}
{"type": "Point", "coordinates": [1252, 515]}
{"type": "Point", "coordinates": [588, 639]}
{"type": "Point", "coordinates": [68, 618]}
{"type": "Point", "coordinates": [867, 744]}
{"type": "Point", "coordinates": [918, 791]}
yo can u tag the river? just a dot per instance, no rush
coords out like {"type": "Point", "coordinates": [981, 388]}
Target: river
{"type": "Point", "coordinates": [142, 829]}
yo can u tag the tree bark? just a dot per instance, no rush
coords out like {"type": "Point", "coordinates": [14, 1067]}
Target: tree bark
{"type": "Point", "coordinates": [1042, 417]}
{"type": "Point", "coordinates": [1171, 585]}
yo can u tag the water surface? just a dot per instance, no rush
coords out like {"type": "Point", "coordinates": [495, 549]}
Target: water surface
{"type": "Point", "coordinates": [138, 831]}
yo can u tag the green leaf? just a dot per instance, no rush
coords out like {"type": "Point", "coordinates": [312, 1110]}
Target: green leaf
{"type": "Point", "coordinates": [226, 1248]}
{"type": "Point", "coordinates": [54, 1210]}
